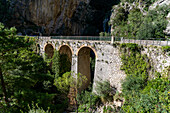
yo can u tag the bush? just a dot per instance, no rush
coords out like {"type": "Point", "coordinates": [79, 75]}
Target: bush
{"type": "Point", "coordinates": [37, 109]}
{"type": "Point", "coordinates": [105, 91]}
{"type": "Point", "coordinates": [132, 83]}
{"type": "Point", "coordinates": [165, 48]}
{"type": "Point", "coordinates": [86, 100]}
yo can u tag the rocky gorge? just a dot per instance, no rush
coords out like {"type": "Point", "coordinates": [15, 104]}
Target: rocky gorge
{"type": "Point", "coordinates": [59, 17]}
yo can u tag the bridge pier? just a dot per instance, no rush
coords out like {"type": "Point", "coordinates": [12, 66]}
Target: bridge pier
{"type": "Point", "coordinates": [74, 65]}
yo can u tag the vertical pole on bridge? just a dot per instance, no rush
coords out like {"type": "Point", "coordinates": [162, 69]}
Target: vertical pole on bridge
{"type": "Point", "coordinates": [112, 39]}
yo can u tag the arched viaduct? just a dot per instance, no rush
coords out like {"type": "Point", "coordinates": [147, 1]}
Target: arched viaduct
{"type": "Point", "coordinates": [107, 60]}
{"type": "Point", "coordinates": [107, 57]}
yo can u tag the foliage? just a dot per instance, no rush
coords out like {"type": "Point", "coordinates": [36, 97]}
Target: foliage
{"type": "Point", "coordinates": [146, 3]}
{"type": "Point", "coordinates": [128, 24]}
{"type": "Point", "coordinates": [136, 68]}
{"type": "Point", "coordinates": [24, 75]}
{"type": "Point", "coordinates": [86, 100]}
{"type": "Point", "coordinates": [135, 18]}
{"type": "Point", "coordinates": [37, 109]}
{"type": "Point", "coordinates": [65, 64]}
{"type": "Point", "coordinates": [104, 89]}
{"type": "Point", "coordinates": [120, 16]}
{"type": "Point", "coordinates": [104, 34]}
{"type": "Point", "coordinates": [134, 24]}
{"type": "Point", "coordinates": [154, 24]}
{"type": "Point", "coordinates": [56, 63]}
{"type": "Point", "coordinates": [141, 94]}
{"type": "Point", "coordinates": [165, 48]}
{"type": "Point", "coordinates": [69, 80]}
{"type": "Point", "coordinates": [108, 109]}
{"type": "Point", "coordinates": [92, 63]}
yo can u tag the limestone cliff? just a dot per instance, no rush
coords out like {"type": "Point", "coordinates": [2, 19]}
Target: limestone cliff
{"type": "Point", "coordinates": [60, 17]}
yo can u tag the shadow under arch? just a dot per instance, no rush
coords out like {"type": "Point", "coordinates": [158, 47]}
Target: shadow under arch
{"type": "Point", "coordinates": [66, 49]}
{"type": "Point", "coordinates": [49, 50]}
{"type": "Point", "coordinates": [65, 58]}
{"type": "Point", "coordinates": [86, 64]}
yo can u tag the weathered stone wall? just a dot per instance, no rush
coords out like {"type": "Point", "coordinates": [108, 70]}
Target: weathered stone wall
{"type": "Point", "coordinates": [159, 60]}
{"type": "Point", "coordinates": [147, 42]}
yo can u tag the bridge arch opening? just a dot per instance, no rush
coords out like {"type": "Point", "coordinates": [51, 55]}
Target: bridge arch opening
{"type": "Point", "coordinates": [86, 64]}
{"type": "Point", "coordinates": [49, 50]}
{"type": "Point", "coordinates": [65, 59]}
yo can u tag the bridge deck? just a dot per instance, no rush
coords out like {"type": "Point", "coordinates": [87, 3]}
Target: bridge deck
{"type": "Point", "coordinates": [97, 38]}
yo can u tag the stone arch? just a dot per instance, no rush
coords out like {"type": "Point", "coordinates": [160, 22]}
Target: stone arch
{"type": "Point", "coordinates": [84, 64]}
{"type": "Point", "coordinates": [65, 58]}
{"type": "Point", "coordinates": [66, 49]}
{"type": "Point", "coordinates": [49, 50]}
{"type": "Point", "coordinates": [88, 47]}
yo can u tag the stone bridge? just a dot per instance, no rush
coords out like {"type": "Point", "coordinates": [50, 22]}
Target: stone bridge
{"type": "Point", "coordinates": [107, 57]}
{"type": "Point", "coordinates": [107, 60]}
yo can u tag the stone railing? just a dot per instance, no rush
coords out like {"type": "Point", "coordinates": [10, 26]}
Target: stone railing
{"type": "Point", "coordinates": [147, 42]}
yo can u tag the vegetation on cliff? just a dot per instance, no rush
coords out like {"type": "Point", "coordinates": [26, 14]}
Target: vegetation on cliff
{"type": "Point", "coordinates": [140, 93]}
{"type": "Point", "coordinates": [134, 21]}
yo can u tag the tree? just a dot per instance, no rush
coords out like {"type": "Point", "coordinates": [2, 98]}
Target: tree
{"type": "Point", "coordinates": [70, 80]}
{"type": "Point", "coordinates": [135, 18]}
{"type": "Point", "coordinates": [154, 24]}
{"type": "Point", "coordinates": [121, 15]}
{"type": "Point", "coordinates": [22, 70]}
{"type": "Point", "coordinates": [56, 63]}
{"type": "Point", "coordinates": [8, 40]}
{"type": "Point", "coordinates": [70, 83]}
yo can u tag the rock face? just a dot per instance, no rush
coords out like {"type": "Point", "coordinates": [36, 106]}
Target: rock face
{"type": "Point", "coordinates": [60, 17]}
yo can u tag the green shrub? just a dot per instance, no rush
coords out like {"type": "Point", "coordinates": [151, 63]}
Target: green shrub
{"type": "Point", "coordinates": [86, 100]}
{"type": "Point", "coordinates": [165, 48]}
{"type": "Point", "coordinates": [105, 90]}
{"type": "Point", "coordinates": [37, 109]}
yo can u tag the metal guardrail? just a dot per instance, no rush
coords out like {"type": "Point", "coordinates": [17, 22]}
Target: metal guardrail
{"type": "Point", "coordinates": [96, 38]}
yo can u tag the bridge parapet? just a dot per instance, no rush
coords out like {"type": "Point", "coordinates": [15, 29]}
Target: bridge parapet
{"type": "Point", "coordinates": [147, 42]}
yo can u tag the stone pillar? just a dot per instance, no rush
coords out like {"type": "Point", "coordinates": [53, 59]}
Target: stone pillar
{"type": "Point", "coordinates": [74, 64]}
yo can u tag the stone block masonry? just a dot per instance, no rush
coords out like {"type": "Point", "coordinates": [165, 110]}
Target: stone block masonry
{"type": "Point", "coordinates": [107, 61]}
